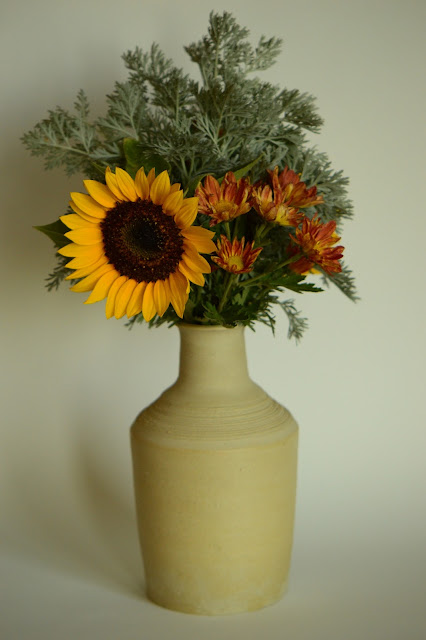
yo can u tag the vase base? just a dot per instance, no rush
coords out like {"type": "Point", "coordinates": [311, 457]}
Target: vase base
{"type": "Point", "coordinates": [231, 606]}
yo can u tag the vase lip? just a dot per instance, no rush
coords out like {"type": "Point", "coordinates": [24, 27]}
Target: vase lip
{"type": "Point", "coordinates": [207, 327]}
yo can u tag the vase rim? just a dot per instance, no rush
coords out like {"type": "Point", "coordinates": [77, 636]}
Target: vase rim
{"type": "Point", "coordinates": [207, 327]}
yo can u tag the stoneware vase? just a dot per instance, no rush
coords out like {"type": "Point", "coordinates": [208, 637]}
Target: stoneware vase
{"type": "Point", "coordinates": [214, 462]}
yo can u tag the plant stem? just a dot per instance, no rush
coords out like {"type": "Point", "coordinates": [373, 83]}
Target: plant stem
{"type": "Point", "coordinates": [247, 283]}
{"type": "Point", "coordinates": [230, 282]}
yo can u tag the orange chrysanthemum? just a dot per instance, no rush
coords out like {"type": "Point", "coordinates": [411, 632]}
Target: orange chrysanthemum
{"type": "Point", "coordinates": [316, 240]}
{"type": "Point", "coordinates": [132, 242]}
{"type": "Point", "coordinates": [280, 201]}
{"type": "Point", "coordinates": [226, 201]}
{"type": "Point", "coordinates": [235, 257]}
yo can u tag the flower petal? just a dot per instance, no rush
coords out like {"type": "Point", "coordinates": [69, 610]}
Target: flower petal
{"type": "Point", "coordinates": [178, 292]}
{"type": "Point", "coordinates": [194, 276]}
{"type": "Point", "coordinates": [88, 235]}
{"type": "Point", "coordinates": [161, 297]}
{"type": "Point", "coordinates": [112, 294]}
{"type": "Point", "coordinates": [173, 202]}
{"type": "Point", "coordinates": [88, 205]}
{"type": "Point", "coordinates": [148, 305]}
{"type": "Point", "coordinates": [142, 184]}
{"type": "Point", "coordinates": [187, 213]}
{"type": "Point", "coordinates": [160, 188]}
{"type": "Point", "coordinates": [85, 260]}
{"type": "Point", "coordinates": [122, 298]}
{"type": "Point", "coordinates": [126, 184]}
{"type": "Point", "coordinates": [193, 259]}
{"type": "Point", "coordinates": [85, 271]}
{"type": "Point", "coordinates": [100, 193]}
{"type": "Point", "coordinates": [89, 282]}
{"type": "Point", "coordinates": [112, 184]}
{"type": "Point", "coordinates": [102, 287]}
{"type": "Point", "coordinates": [200, 238]}
{"type": "Point", "coordinates": [135, 303]}
{"type": "Point", "coordinates": [82, 214]}
{"type": "Point", "coordinates": [73, 221]}
{"type": "Point", "coordinates": [73, 250]}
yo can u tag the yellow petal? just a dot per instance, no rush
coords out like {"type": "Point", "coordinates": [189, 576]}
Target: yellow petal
{"type": "Point", "coordinates": [85, 271]}
{"type": "Point", "coordinates": [77, 250]}
{"type": "Point", "coordinates": [85, 260]}
{"type": "Point", "coordinates": [151, 176]}
{"type": "Point", "coordinates": [142, 184]}
{"type": "Point", "coordinates": [88, 205]}
{"type": "Point", "coordinates": [187, 213]}
{"type": "Point", "coordinates": [126, 184]}
{"type": "Point", "coordinates": [82, 214]}
{"type": "Point", "coordinates": [160, 188]}
{"type": "Point", "coordinates": [173, 202]}
{"type": "Point", "coordinates": [200, 238]}
{"type": "Point", "coordinates": [122, 298]}
{"type": "Point", "coordinates": [148, 305]}
{"type": "Point", "coordinates": [102, 287]}
{"type": "Point", "coordinates": [178, 292]}
{"type": "Point", "coordinates": [112, 184]}
{"type": "Point", "coordinates": [135, 303]}
{"type": "Point", "coordinates": [194, 260]}
{"type": "Point", "coordinates": [161, 299]}
{"type": "Point", "coordinates": [88, 235]}
{"type": "Point", "coordinates": [89, 282]}
{"type": "Point", "coordinates": [112, 294]}
{"type": "Point", "coordinates": [175, 187]}
{"type": "Point", "coordinates": [73, 221]}
{"type": "Point", "coordinates": [194, 276]}
{"type": "Point", "coordinates": [100, 193]}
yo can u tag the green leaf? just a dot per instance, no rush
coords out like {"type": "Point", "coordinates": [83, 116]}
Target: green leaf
{"type": "Point", "coordinates": [56, 232]}
{"type": "Point", "coordinates": [240, 173]}
{"type": "Point", "coordinates": [136, 157]}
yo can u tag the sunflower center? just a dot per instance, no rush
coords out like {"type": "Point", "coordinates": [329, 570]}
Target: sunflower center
{"type": "Point", "coordinates": [141, 241]}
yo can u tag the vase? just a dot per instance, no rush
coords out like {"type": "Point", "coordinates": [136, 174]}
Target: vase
{"type": "Point", "coordinates": [214, 462]}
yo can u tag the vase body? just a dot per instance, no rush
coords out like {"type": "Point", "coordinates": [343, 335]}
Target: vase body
{"type": "Point", "coordinates": [214, 462]}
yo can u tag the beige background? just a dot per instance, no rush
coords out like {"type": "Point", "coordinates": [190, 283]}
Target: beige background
{"type": "Point", "coordinates": [73, 382]}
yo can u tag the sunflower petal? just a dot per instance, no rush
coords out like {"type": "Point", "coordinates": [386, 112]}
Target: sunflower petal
{"type": "Point", "coordinates": [148, 305]}
{"type": "Point", "coordinates": [142, 184]}
{"type": "Point", "coordinates": [200, 238]}
{"type": "Point", "coordinates": [122, 298]}
{"type": "Point", "coordinates": [82, 214]}
{"type": "Point", "coordinates": [194, 260]}
{"type": "Point", "coordinates": [178, 292]}
{"type": "Point", "coordinates": [160, 188]}
{"type": "Point", "coordinates": [100, 193]}
{"type": "Point", "coordinates": [112, 294]}
{"type": "Point", "coordinates": [161, 297]}
{"type": "Point", "coordinates": [173, 202]}
{"type": "Point", "coordinates": [85, 260]}
{"type": "Point", "coordinates": [88, 205]}
{"type": "Point", "coordinates": [194, 276]}
{"type": "Point", "coordinates": [87, 235]}
{"type": "Point", "coordinates": [151, 176]}
{"type": "Point", "coordinates": [187, 213]}
{"type": "Point", "coordinates": [135, 303]}
{"type": "Point", "coordinates": [73, 250]}
{"type": "Point", "coordinates": [86, 271]}
{"type": "Point", "coordinates": [89, 282]}
{"type": "Point", "coordinates": [112, 184]}
{"type": "Point", "coordinates": [102, 287]}
{"type": "Point", "coordinates": [73, 221]}
{"type": "Point", "coordinates": [126, 184]}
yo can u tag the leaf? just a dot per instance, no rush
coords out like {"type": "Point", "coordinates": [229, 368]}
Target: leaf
{"type": "Point", "coordinates": [240, 173]}
{"type": "Point", "coordinates": [136, 157]}
{"type": "Point", "coordinates": [56, 232]}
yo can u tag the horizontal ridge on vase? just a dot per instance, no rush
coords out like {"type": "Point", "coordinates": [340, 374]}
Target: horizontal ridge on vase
{"type": "Point", "coordinates": [215, 464]}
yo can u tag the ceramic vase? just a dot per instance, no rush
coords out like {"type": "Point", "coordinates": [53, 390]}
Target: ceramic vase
{"type": "Point", "coordinates": [214, 462]}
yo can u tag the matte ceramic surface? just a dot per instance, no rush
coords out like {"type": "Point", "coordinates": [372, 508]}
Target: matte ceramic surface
{"type": "Point", "coordinates": [215, 480]}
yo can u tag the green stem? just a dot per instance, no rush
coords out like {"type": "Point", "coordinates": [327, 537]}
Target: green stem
{"type": "Point", "coordinates": [231, 279]}
{"type": "Point", "coordinates": [248, 283]}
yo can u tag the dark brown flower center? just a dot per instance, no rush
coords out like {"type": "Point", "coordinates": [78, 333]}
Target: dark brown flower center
{"type": "Point", "coordinates": [141, 241]}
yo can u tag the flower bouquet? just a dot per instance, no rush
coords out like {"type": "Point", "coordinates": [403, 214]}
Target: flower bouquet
{"type": "Point", "coordinates": [204, 201]}
{"type": "Point", "coordinates": [205, 206]}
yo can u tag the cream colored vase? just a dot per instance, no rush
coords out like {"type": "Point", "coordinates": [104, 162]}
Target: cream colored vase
{"type": "Point", "coordinates": [214, 463]}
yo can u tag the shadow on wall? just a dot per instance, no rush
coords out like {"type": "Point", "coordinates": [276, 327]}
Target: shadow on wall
{"type": "Point", "coordinates": [77, 518]}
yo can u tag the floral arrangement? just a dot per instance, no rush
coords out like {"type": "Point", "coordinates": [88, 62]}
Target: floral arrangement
{"type": "Point", "coordinates": [204, 200]}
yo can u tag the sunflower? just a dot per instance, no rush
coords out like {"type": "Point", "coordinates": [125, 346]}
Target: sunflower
{"type": "Point", "coordinates": [132, 243]}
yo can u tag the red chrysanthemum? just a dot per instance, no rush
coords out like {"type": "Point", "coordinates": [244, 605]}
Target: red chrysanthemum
{"type": "Point", "coordinates": [226, 201]}
{"type": "Point", "coordinates": [316, 241]}
{"type": "Point", "coordinates": [235, 257]}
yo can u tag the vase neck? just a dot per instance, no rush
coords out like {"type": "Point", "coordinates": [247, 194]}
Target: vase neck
{"type": "Point", "coordinates": [213, 359]}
